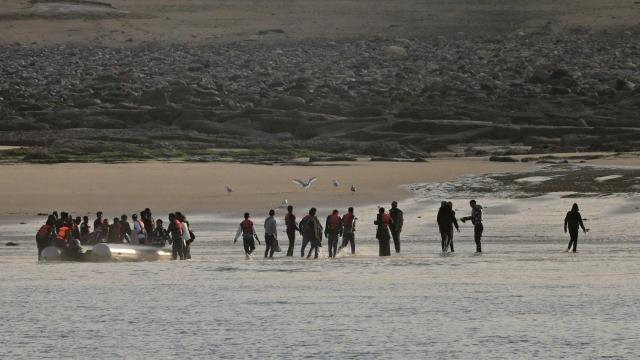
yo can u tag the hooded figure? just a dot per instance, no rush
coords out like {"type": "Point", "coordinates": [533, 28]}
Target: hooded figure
{"type": "Point", "coordinates": [311, 233]}
{"type": "Point", "coordinates": [573, 221]}
{"type": "Point", "coordinates": [383, 221]}
{"type": "Point", "coordinates": [446, 222]}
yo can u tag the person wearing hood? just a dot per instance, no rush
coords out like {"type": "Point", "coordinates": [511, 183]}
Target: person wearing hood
{"type": "Point", "coordinates": [476, 220]}
{"type": "Point", "coordinates": [573, 222]}
{"type": "Point", "coordinates": [311, 233]}
{"type": "Point", "coordinates": [446, 222]}
{"type": "Point", "coordinates": [383, 222]}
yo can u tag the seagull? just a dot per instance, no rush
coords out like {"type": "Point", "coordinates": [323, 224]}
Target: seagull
{"type": "Point", "coordinates": [353, 188]}
{"type": "Point", "coordinates": [336, 183]}
{"type": "Point", "coordinates": [229, 188]}
{"type": "Point", "coordinates": [305, 184]}
{"type": "Point", "coordinates": [284, 204]}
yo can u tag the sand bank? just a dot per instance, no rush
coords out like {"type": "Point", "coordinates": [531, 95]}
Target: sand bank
{"type": "Point", "coordinates": [28, 189]}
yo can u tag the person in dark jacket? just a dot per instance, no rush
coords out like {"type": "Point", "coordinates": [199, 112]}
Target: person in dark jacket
{"type": "Point", "coordinates": [397, 221]}
{"type": "Point", "coordinates": [383, 222]}
{"type": "Point", "coordinates": [160, 234]}
{"type": "Point", "coordinates": [573, 222]}
{"type": "Point", "coordinates": [348, 230]}
{"type": "Point", "coordinates": [311, 233]}
{"type": "Point", "coordinates": [333, 231]}
{"type": "Point", "coordinates": [446, 222]}
{"type": "Point", "coordinates": [476, 220]}
{"type": "Point", "coordinates": [292, 228]}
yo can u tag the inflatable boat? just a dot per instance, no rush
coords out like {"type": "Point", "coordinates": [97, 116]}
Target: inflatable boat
{"type": "Point", "coordinates": [104, 252]}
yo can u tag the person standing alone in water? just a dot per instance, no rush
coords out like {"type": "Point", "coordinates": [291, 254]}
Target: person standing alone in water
{"type": "Point", "coordinates": [383, 221]}
{"type": "Point", "coordinates": [292, 227]}
{"type": "Point", "coordinates": [333, 230]}
{"type": "Point", "coordinates": [348, 230]}
{"type": "Point", "coordinates": [476, 220]}
{"type": "Point", "coordinates": [397, 220]}
{"type": "Point", "coordinates": [573, 221]}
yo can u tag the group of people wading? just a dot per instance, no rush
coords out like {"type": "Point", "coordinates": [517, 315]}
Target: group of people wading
{"type": "Point", "coordinates": [389, 226]}
{"type": "Point", "coordinates": [69, 234]}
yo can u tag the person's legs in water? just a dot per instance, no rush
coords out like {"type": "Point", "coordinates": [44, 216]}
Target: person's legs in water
{"type": "Point", "coordinates": [333, 245]}
{"type": "Point", "coordinates": [291, 234]}
{"type": "Point", "coordinates": [450, 238]}
{"type": "Point", "coordinates": [574, 239]}
{"type": "Point", "coordinates": [247, 243]}
{"type": "Point", "coordinates": [477, 230]}
{"type": "Point", "coordinates": [349, 238]}
{"type": "Point", "coordinates": [396, 240]}
{"type": "Point", "coordinates": [304, 245]}
{"type": "Point", "coordinates": [311, 249]}
{"type": "Point", "coordinates": [443, 235]}
{"type": "Point", "coordinates": [268, 242]}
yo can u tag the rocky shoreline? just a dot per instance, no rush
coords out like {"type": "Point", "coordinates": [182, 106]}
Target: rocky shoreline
{"type": "Point", "coordinates": [537, 92]}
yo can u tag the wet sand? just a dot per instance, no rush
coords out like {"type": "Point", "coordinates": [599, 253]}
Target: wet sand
{"type": "Point", "coordinates": [28, 189]}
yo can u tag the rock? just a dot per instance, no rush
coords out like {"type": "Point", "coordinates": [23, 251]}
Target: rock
{"type": "Point", "coordinates": [624, 85]}
{"type": "Point", "coordinates": [395, 51]}
{"type": "Point", "coordinates": [288, 102]}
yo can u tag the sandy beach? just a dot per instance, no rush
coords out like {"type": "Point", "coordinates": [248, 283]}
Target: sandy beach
{"type": "Point", "coordinates": [28, 189]}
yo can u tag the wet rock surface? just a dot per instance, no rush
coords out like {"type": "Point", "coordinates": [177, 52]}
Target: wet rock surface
{"type": "Point", "coordinates": [402, 98]}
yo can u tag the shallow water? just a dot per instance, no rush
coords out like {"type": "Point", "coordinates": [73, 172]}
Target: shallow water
{"type": "Point", "coordinates": [523, 298]}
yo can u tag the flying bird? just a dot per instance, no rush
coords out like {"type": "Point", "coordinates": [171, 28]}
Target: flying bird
{"type": "Point", "coordinates": [305, 184]}
{"type": "Point", "coordinates": [336, 183]}
{"type": "Point", "coordinates": [229, 188]}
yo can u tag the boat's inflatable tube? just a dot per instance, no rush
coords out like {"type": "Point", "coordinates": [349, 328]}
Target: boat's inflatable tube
{"type": "Point", "coordinates": [50, 253]}
{"type": "Point", "coordinates": [125, 252]}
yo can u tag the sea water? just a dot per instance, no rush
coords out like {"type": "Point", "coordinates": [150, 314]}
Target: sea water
{"type": "Point", "coordinates": [523, 297]}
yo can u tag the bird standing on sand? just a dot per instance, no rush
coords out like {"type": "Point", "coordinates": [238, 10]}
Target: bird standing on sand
{"type": "Point", "coordinates": [305, 184]}
{"type": "Point", "coordinates": [229, 188]}
{"type": "Point", "coordinates": [336, 183]}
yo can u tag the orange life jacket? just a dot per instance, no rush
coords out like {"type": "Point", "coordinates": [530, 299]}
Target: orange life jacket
{"type": "Point", "coordinates": [333, 222]}
{"type": "Point", "coordinates": [62, 233]}
{"type": "Point", "coordinates": [247, 227]}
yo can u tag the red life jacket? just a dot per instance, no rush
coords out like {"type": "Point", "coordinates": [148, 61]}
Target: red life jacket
{"type": "Point", "coordinates": [333, 222]}
{"type": "Point", "coordinates": [346, 220]}
{"type": "Point", "coordinates": [247, 227]}
{"type": "Point", "coordinates": [385, 220]}
{"type": "Point", "coordinates": [44, 231]}
{"type": "Point", "coordinates": [288, 221]}
{"type": "Point", "coordinates": [178, 225]}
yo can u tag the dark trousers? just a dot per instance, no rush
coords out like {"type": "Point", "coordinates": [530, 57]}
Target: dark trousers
{"type": "Point", "coordinates": [573, 234]}
{"type": "Point", "coordinates": [177, 250]}
{"type": "Point", "coordinates": [249, 244]}
{"type": "Point", "coordinates": [447, 239]}
{"type": "Point", "coordinates": [270, 242]}
{"type": "Point", "coordinates": [291, 234]}
{"type": "Point", "coordinates": [333, 245]}
{"type": "Point", "coordinates": [396, 240]}
{"type": "Point", "coordinates": [477, 236]}
{"type": "Point", "coordinates": [385, 247]}
{"type": "Point", "coordinates": [305, 241]}
{"type": "Point", "coordinates": [349, 238]}
{"type": "Point", "coordinates": [314, 246]}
